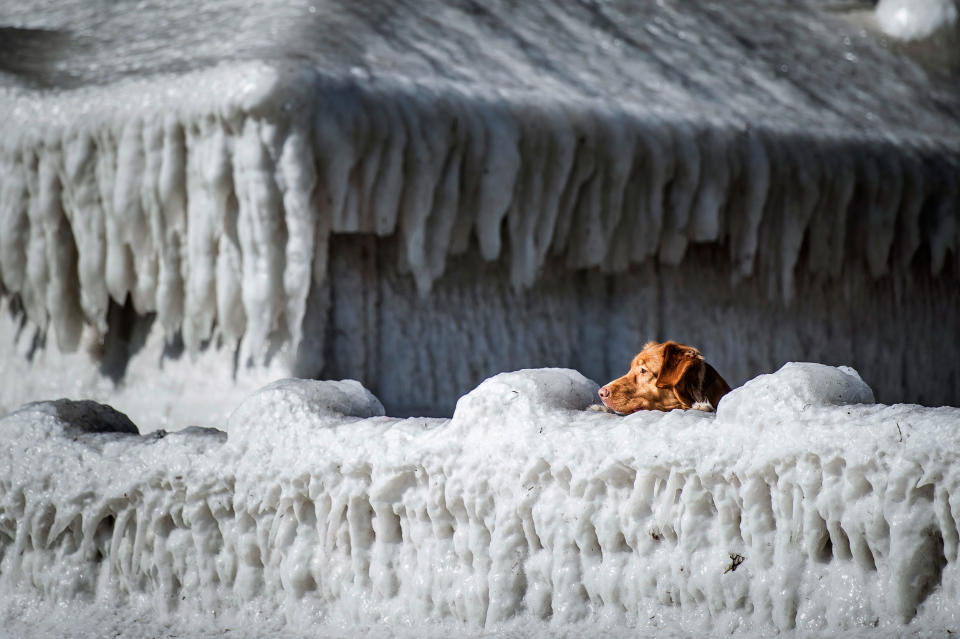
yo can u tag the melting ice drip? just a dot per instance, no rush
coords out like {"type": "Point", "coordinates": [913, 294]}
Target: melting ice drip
{"type": "Point", "coordinates": [801, 504]}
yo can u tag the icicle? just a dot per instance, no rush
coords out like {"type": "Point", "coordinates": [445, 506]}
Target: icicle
{"type": "Point", "coordinates": [657, 164]}
{"type": "Point", "coordinates": [583, 170]}
{"type": "Point", "coordinates": [802, 195]}
{"type": "Point", "coordinates": [34, 291]}
{"type": "Point", "coordinates": [261, 232]}
{"type": "Point", "coordinates": [600, 203]}
{"type": "Point", "coordinates": [705, 222]}
{"type": "Point", "coordinates": [680, 195]}
{"type": "Point", "coordinates": [632, 210]}
{"type": "Point", "coordinates": [865, 199]}
{"type": "Point", "coordinates": [828, 225]}
{"type": "Point", "coordinates": [500, 174]}
{"type": "Point", "coordinates": [882, 213]}
{"type": "Point", "coordinates": [151, 244]}
{"type": "Point", "coordinates": [471, 177]}
{"type": "Point", "coordinates": [446, 199]}
{"type": "Point", "coordinates": [546, 151]}
{"type": "Point", "coordinates": [205, 157]}
{"type": "Point", "coordinates": [297, 179]}
{"type": "Point", "coordinates": [587, 244]}
{"type": "Point", "coordinates": [559, 157]}
{"type": "Point", "coordinates": [385, 190]}
{"type": "Point", "coordinates": [746, 211]}
{"type": "Point", "coordinates": [14, 223]}
{"type": "Point", "coordinates": [231, 315]}
{"type": "Point", "coordinates": [62, 289]}
{"type": "Point", "coordinates": [171, 185]}
{"type": "Point", "coordinates": [81, 205]}
{"type": "Point", "coordinates": [335, 135]}
{"type": "Point", "coordinates": [363, 196]}
{"type": "Point", "coordinates": [907, 234]}
{"type": "Point", "coordinates": [428, 130]}
{"type": "Point", "coordinates": [119, 266]}
{"type": "Point", "coordinates": [349, 218]}
{"type": "Point", "coordinates": [129, 220]}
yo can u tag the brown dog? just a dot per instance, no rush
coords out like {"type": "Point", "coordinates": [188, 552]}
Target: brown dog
{"type": "Point", "coordinates": [663, 377]}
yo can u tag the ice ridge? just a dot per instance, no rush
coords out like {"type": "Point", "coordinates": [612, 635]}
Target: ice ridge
{"type": "Point", "coordinates": [812, 514]}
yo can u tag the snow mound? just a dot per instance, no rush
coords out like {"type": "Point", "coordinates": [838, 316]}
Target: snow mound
{"type": "Point", "coordinates": [296, 402]}
{"type": "Point", "coordinates": [521, 508]}
{"type": "Point", "coordinates": [795, 388]}
{"type": "Point", "coordinates": [526, 395]}
{"type": "Point", "coordinates": [65, 417]}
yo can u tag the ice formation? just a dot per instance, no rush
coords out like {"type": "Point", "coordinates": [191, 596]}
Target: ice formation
{"type": "Point", "coordinates": [218, 212]}
{"type": "Point", "coordinates": [800, 504]}
{"type": "Point", "coordinates": [202, 171]}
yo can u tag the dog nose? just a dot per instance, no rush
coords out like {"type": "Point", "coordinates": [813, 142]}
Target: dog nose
{"type": "Point", "coordinates": [604, 392]}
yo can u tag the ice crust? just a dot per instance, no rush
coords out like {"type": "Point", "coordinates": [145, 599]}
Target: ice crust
{"type": "Point", "coordinates": [826, 512]}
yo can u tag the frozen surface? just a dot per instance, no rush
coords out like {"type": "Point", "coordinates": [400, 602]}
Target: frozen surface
{"type": "Point", "coordinates": [207, 187]}
{"type": "Point", "coordinates": [209, 167]}
{"type": "Point", "coordinates": [793, 389]}
{"type": "Point", "coordinates": [800, 505]}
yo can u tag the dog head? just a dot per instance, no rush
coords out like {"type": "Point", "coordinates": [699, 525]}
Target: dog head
{"type": "Point", "coordinates": [663, 377]}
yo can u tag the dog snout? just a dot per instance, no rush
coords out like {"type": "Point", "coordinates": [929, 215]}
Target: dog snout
{"type": "Point", "coordinates": [604, 392]}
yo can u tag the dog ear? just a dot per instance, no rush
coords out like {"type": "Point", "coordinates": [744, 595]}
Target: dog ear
{"type": "Point", "coordinates": [714, 386]}
{"type": "Point", "coordinates": [677, 362]}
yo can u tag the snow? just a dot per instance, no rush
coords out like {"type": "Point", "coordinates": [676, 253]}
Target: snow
{"type": "Point", "coordinates": [794, 389]}
{"type": "Point", "coordinates": [800, 505]}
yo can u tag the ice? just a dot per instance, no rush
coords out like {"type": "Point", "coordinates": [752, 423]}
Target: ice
{"type": "Point", "coordinates": [197, 198]}
{"type": "Point", "coordinates": [794, 389]}
{"type": "Point", "coordinates": [219, 214]}
{"type": "Point", "coordinates": [210, 190]}
{"type": "Point", "coordinates": [800, 505]}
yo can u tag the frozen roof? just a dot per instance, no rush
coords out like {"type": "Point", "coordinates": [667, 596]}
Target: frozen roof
{"type": "Point", "coordinates": [810, 66]}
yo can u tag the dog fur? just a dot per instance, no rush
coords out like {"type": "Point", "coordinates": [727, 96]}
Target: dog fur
{"type": "Point", "coordinates": [665, 376]}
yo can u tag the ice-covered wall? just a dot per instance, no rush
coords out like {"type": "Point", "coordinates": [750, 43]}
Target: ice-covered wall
{"type": "Point", "coordinates": [209, 191]}
{"type": "Point", "coordinates": [800, 504]}
{"type": "Point", "coordinates": [896, 329]}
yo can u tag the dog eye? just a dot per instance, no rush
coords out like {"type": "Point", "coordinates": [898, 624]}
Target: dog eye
{"type": "Point", "coordinates": [643, 371]}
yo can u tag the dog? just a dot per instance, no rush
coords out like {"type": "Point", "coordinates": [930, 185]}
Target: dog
{"type": "Point", "coordinates": [665, 376]}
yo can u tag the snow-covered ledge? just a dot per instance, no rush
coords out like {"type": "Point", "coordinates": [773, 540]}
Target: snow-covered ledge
{"type": "Point", "coordinates": [799, 504]}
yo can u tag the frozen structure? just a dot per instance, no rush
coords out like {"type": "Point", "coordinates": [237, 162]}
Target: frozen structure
{"type": "Point", "coordinates": [800, 505]}
{"type": "Point", "coordinates": [198, 198]}
{"type": "Point", "coordinates": [421, 195]}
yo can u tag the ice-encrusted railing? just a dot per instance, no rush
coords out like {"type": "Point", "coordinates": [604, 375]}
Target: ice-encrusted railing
{"type": "Point", "coordinates": [800, 504]}
{"type": "Point", "coordinates": [214, 208]}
